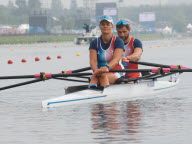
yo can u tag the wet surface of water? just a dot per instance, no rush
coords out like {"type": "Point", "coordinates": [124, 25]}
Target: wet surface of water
{"type": "Point", "coordinates": [162, 119]}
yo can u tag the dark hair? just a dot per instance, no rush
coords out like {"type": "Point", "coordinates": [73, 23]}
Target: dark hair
{"type": "Point", "coordinates": [118, 26]}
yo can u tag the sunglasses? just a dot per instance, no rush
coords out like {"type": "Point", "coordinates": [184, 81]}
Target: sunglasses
{"type": "Point", "coordinates": [106, 17]}
{"type": "Point", "coordinates": [122, 22]}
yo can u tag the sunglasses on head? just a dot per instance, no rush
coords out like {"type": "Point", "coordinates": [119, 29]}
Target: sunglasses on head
{"type": "Point", "coordinates": [122, 22]}
{"type": "Point", "coordinates": [105, 17]}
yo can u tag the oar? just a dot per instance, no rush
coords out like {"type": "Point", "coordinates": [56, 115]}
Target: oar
{"type": "Point", "coordinates": [77, 70]}
{"type": "Point", "coordinates": [17, 77]}
{"type": "Point", "coordinates": [39, 78]}
{"type": "Point", "coordinates": [69, 75]}
{"type": "Point", "coordinates": [123, 79]}
{"type": "Point", "coordinates": [152, 64]}
{"type": "Point", "coordinates": [75, 80]}
{"type": "Point", "coordinates": [163, 75]}
{"type": "Point", "coordinates": [20, 84]}
{"type": "Point", "coordinates": [81, 70]}
{"type": "Point", "coordinates": [154, 70]}
{"type": "Point", "coordinates": [46, 75]}
{"type": "Point", "coordinates": [43, 76]}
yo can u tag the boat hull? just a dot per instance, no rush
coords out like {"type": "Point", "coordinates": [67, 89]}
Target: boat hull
{"type": "Point", "coordinates": [112, 93]}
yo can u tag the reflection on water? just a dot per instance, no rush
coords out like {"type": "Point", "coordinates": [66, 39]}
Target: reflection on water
{"type": "Point", "coordinates": [117, 122]}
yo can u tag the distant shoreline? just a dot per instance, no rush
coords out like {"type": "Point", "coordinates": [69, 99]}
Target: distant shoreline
{"type": "Point", "coordinates": [31, 39]}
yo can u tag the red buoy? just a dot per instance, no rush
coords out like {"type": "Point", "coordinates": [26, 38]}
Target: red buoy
{"type": "Point", "coordinates": [37, 59]}
{"type": "Point", "coordinates": [48, 58]}
{"type": "Point", "coordinates": [23, 60]}
{"type": "Point", "coordinates": [59, 57]}
{"type": "Point", "coordinates": [10, 62]}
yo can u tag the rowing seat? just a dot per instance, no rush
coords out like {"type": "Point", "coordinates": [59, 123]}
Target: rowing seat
{"type": "Point", "coordinates": [72, 89]}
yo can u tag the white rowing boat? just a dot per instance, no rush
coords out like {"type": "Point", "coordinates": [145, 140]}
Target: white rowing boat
{"type": "Point", "coordinates": [146, 85]}
{"type": "Point", "coordinates": [112, 93]}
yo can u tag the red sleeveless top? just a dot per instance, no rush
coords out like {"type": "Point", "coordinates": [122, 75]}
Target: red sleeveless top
{"type": "Point", "coordinates": [129, 49]}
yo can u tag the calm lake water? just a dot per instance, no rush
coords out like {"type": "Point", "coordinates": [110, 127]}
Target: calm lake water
{"type": "Point", "coordinates": [162, 119]}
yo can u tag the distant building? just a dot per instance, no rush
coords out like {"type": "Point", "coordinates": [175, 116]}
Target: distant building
{"type": "Point", "coordinates": [39, 22]}
{"type": "Point", "coordinates": [46, 4]}
{"type": "Point", "coordinates": [148, 20]}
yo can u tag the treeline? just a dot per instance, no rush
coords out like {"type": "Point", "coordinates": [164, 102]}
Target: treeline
{"type": "Point", "coordinates": [18, 13]}
{"type": "Point", "coordinates": [176, 16]}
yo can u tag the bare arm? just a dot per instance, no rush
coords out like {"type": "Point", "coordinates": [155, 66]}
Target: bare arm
{"type": "Point", "coordinates": [135, 56]}
{"type": "Point", "coordinates": [116, 57]}
{"type": "Point", "coordinates": [93, 59]}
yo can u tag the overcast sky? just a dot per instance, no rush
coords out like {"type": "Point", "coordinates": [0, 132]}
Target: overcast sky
{"type": "Point", "coordinates": [66, 3]}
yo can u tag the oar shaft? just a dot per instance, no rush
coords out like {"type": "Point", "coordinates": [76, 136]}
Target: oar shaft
{"type": "Point", "coordinates": [148, 64]}
{"type": "Point", "coordinates": [153, 70]}
{"type": "Point", "coordinates": [180, 70]}
{"type": "Point", "coordinates": [131, 70]}
{"type": "Point", "coordinates": [20, 84]}
{"type": "Point", "coordinates": [46, 75]}
{"type": "Point", "coordinates": [17, 77]}
{"type": "Point", "coordinates": [70, 75]}
{"type": "Point", "coordinates": [82, 69]}
{"type": "Point", "coordinates": [66, 79]}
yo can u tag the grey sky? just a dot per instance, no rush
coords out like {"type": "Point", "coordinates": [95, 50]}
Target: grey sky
{"type": "Point", "coordinates": [66, 3]}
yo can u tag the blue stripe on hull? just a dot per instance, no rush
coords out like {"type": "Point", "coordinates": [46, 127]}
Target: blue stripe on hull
{"type": "Point", "coordinates": [76, 100]}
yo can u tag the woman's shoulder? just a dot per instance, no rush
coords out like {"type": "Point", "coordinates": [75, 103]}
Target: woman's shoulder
{"type": "Point", "coordinates": [119, 40]}
{"type": "Point", "coordinates": [94, 41]}
{"type": "Point", "coordinates": [93, 44]}
{"type": "Point", "coordinates": [119, 43]}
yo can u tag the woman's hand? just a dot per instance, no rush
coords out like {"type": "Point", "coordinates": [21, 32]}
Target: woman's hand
{"type": "Point", "coordinates": [104, 69]}
{"type": "Point", "coordinates": [124, 58]}
{"type": "Point", "coordinates": [98, 72]}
